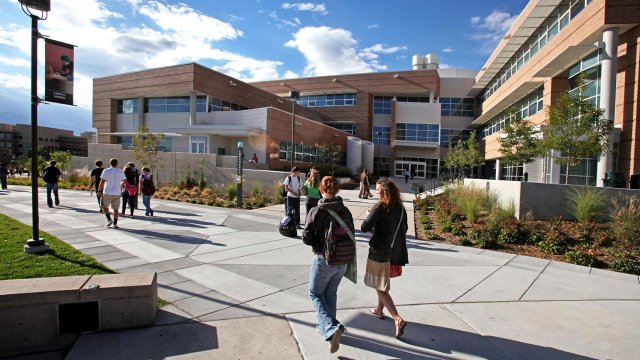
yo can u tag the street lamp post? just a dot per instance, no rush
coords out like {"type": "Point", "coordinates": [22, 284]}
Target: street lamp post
{"type": "Point", "coordinates": [36, 244]}
{"type": "Point", "coordinates": [293, 96]}
{"type": "Point", "coordinates": [379, 133]}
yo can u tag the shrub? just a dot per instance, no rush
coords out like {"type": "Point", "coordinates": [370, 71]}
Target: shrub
{"type": "Point", "coordinates": [423, 204]}
{"type": "Point", "coordinates": [469, 199]}
{"type": "Point", "coordinates": [586, 203]}
{"type": "Point", "coordinates": [430, 235]}
{"type": "Point", "coordinates": [447, 226]}
{"type": "Point", "coordinates": [232, 191]}
{"type": "Point", "coordinates": [256, 189]}
{"type": "Point", "coordinates": [427, 226]}
{"type": "Point", "coordinates": [465, 242]}
{"type": "Point", "coordinates": [277, 192]}
{"type": "Point", "coordinates": [625, 219]}
{"type": "Point", "coordinates": [624, 263]}
{"type": "Point", "coordinates": [579, 257]}
{"type": "Point", "coordinates": [79, 177]}
{"type": "Point", "coordinates": [457, 229]}
{"type": "Point", "coordinates": [511, 232]}
{"type": "Point", "coordinates": [552, 246]}
{"type": "Point", "coordinates": [587, 232]}
{"type": "Point", "coordinates": [482, 237]}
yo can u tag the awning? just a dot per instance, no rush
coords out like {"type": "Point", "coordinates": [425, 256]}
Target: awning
{"type": "Point", "coordinates": [510, 99]}
{"type": "Point", "coordinates": [222, 130]}
{"type": "Point", "coordinates": [562, 62]}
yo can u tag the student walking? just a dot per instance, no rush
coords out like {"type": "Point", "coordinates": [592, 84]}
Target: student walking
{"type": "Point", "coordinates": [387, 248]}
{"type": "Point", "coordinates": [365, 187]}
{"type": "Point", "coordinates": [406, 175]}
{"type": "Point", "coordinates": [292, 186]}
{"type": "Point", "coordinates": [111, 182]}
{"type": "Point", "coordinates": [147, 189]}
{"type": "Point", "coordinates": [3, 176]}
{"type": "Point", "coordinates": [95, 179]}
{"type": "Point", "coordinates": [329, 265]}
{"type": "Point", "coordinates": [50, 175]}
{"type": "Point", "coordinates": [312, 186]}
{"type": "Point", "coordinates": [130, 189]}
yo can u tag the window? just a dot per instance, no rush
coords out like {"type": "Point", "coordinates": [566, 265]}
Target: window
{"type": "Point", "coordinates": [126, 141]}
{"type": "Point", "coordinates": [127, 106]}
{"type": "Point", "coordinates": [382, 104]}
{"type": "Point", "coordinates": [216, 104]}
{"type": "Point", "coordinates": [199, 144]}
{"type": "Point", "coordinates": [452, 106]}
{"type": "Point", "coordinates": [418, 132]}
{"type": "Point", "coordinates": [381, 135]}
{"type": "Point", "coordinates": [349, 128]}
{"type": "Point", "coordinates": [590, 68]}
{"type": "Point", "coordinates": [328, 100]}
{"type": "Point", "coordinates": [173, 104]}
{"type": "Point", "coordinates": [532, 104]}
{"type": "Point", "coordinates": [166, 144]}
{"type": "Point", "coordinates": [451, 136]}
{"type": "Point", "coordinates": [306, 153]}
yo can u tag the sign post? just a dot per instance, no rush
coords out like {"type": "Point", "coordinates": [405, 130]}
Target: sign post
{"type": "Point", "coordinates": [239, 173]}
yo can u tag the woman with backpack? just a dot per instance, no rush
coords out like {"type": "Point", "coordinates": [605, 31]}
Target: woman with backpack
{"type": "Point", "coordinates": [147, 189]}
{"type": "Point", "coordinates": [130, 188]}
{"type": "Point", "coordinates": [387, 220]}
{"type": "Point", "coordinates": [329, 224]}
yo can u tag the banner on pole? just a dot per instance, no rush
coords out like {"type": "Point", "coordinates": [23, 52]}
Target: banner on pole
{"type": "Point", "coordinates": [58, 83]}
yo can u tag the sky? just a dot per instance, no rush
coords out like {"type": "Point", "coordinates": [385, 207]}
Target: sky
{"type": "Point", "coordinates": [252, 40]}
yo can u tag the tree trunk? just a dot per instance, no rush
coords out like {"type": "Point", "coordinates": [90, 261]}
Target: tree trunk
{"type": "Point", "coordinates": [566, 176]}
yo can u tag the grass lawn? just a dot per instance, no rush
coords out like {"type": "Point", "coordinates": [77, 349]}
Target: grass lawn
{"type": "Point", "coordinates": [61, 259]}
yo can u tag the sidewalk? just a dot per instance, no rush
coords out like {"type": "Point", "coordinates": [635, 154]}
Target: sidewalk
{"type": "Point", "coordinates": [238, 289]}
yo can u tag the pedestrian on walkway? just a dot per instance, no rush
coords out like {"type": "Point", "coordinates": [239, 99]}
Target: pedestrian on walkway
{"type": "Point", "coordinates": [292, 186]}
{"type": "Point", "coordinates": [365, 186]}
{"type": "Point", "coordinates": [312, 186]}
{"type": "Point", "coordinates": [324, 279]}
{"type": "Point", "coordinates": [147, 188]}
{"type": "Point", "coordinates": [129, 189]}
{"type": "Point", "coordinates": [50, 175]}
{"type": "Point", "coordinates": [387, 248]}
{"type": "Point", "coordinates": [3, 176]}
{"type": "Point", "coordinates": [111, 182]}
{"type": "Point", "coordinates": [406, 175]}
{"type": "Point", "coordinates": [95, 179]}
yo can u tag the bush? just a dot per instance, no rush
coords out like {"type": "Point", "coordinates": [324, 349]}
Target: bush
{"type": "Point", "coordinates": [552, 246]}
{"type": "Point", "coordinates": [256, 189]}
{"type": "Point", "coordinates": [579, 257]}
{"type": "Point", "coordinates": [79, 177]}
{"type": "Point", "coordinates": [624, 263]}
{"type": "Point", "coordinates": [511, 232]}
{"type": "Point", "coordinates": [457, 229]}
{"type": "Point", "coordinates": [482, 237]}
{"type": "Point", "coordinates": [277, 192]}
{"type": "Point", "coordinates": [586, 203]}
{"type": "Point", "coordinates": [232, 191]}
{"type": "Point", "coordinates": [625, 219]}
{"type": "Point", "coordinates": [469, 200]}
{"type": "Point", "coordinates": [423, 204]}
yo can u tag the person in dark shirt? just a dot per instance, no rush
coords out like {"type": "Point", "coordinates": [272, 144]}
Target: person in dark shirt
{"type": "Point", "coordinates": [95, 180]}
{"type": "Point", "coordinates": [67, 67]}
{"type": "Point", "coordinates": [50, 175]}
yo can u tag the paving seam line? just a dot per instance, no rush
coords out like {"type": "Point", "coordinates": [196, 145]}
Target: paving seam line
{"type": "Point", "coordinates": [534, 280]}
{"type": "Point", "coordinates": [485, 278]}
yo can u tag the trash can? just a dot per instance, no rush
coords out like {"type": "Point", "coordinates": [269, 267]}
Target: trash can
{"type": "Point", "coordinates": [634, 182]}
{"type": "Point", "coordinates": [613, 180]}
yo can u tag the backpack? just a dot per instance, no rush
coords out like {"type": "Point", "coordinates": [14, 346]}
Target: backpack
{"type": "Point", "coordinates": [287, 227]}
{"type": "Point", "coordinates": [339, 241]}
{"type": "Point", "coordinates": [147, 186]}
{"type": "Point", "coordinates": [284, 189]}
{"type": "Point", "coordinates": [48, 175]}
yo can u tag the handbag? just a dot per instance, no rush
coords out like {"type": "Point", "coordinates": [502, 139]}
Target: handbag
{"type": "Point", "coordinates": [303, 190]}
{"type": "Point", "coordinates": [352, 267]}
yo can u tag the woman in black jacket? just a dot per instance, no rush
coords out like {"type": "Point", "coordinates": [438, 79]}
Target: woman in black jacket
{"type": "Point", "coordinates": [324, 279]}
{"type": "Point", "coordinates": [130, 190]}
{"type": "Point", "coordinates": [387, 220]}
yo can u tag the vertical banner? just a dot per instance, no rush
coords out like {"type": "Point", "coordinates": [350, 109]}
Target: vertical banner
{"type": "Point", "coordinates": [58, 83]}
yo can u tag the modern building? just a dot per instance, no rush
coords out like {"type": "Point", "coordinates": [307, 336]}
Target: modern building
{"type": "Point", "coordinates": [15, 140]}
{"type": "Point", "coordinates": [403, 120]}
{"type": "Point", "coordinates": [551, 44]}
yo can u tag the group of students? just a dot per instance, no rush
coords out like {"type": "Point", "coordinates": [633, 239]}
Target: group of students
{"type": "Point", "coordinates": [326, 212]}
{"type": "Point", "coordinates": [113, 184]}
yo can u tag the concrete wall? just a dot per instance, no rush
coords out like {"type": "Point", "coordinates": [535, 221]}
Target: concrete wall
{"type": "Point", "coordinates": [544, 200]}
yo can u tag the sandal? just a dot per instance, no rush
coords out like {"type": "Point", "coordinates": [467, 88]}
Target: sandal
{"type": "Point", "coordinates": [400, 325]}
{"type": "Point", "coordinates": [379, 315]}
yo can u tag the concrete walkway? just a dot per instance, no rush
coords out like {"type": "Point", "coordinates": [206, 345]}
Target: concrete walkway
{"type": "Point", "coordinates": [238, 289]}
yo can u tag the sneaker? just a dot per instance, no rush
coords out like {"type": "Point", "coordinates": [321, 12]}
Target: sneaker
{"type": "Point", "coordinates": [109, 223]}
{"type": "Point", "coordinates": [299, 226]}
{"type": "Point", "coordinates": [115, 226]}
{"type": "Point", "coordinates": [335, 339]}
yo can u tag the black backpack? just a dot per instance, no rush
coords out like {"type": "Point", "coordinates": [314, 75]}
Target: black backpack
{"type": "Point", "coordinates": [148, 187]}
{"type": "Point", "coordinates": [339, 241]}
{"type": "Point", "coordinates": [284, 189]}
{"type": "Point", "coordinates": [48, 175]}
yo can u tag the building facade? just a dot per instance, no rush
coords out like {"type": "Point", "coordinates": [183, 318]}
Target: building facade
{"type": "Point", "coordinates": [15, 141]}
{"type": "Point", "coordinates": [550, 45]}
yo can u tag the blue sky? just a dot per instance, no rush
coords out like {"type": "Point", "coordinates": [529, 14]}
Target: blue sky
{"type": "Point", "coordinates": [252, 40]}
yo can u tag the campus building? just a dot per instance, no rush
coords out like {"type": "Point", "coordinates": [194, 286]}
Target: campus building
{"type": "Point", "coordinates": [405, 120]}
{"type": "Point", "coordinates": [15, 140]}
{"type": "Point", "coordinates": [552, 44]}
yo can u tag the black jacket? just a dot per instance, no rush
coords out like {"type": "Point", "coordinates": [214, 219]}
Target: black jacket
{"type": "Point", "coordinates": [383, 222]}
{"type": "Point", "coordinates": [318, 221]}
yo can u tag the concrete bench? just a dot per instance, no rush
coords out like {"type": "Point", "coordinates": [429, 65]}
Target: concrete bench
{"type": "Point", "coordinates": [49, 313]}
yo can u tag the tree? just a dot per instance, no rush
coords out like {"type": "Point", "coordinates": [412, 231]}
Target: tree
{"type": "Point", "coordinates": [575, 128]}
{"type": "Point", "coordinates": [473, 156]}
{"type": "Point", "coordinates": [145, 148]}
{"type": "Point", "coordinates": [453, 158]}
{"type": "Point", "coordinates": [331, 153]}
{"type": "Point", "coordinates": [519, 142]}
{"type": "Point", "coordinates": [63, 160]}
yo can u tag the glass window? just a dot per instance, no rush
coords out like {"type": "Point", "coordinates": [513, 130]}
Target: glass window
{"type": "Point", "coordinates": [127, 106]}
{"type": "Point", "coordinates": [453, 106]}
{"type": "Point", "coordinates": [349, 128]}
{"type": "Point", "coordinates": [328, 100]}
{"type": "Point", "coordinates": [199, 144]}
{"type": "Point", "coordinates": [418, 132]}
{"type": "Point", "coordinates": [381, 135]}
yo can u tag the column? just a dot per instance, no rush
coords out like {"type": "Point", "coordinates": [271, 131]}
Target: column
{"type": "Point", "coordinates": [608, 73]}
{"type": "Point", "coordinates": [497, 169]}
{"type": "Point", "coordinates": [140, 114]}
{"type": "Point", "coordinates": [192, 109]}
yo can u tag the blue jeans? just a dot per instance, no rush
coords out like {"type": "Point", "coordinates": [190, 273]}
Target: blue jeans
{"type": "Point", "coordinates": [146, 201]}
{"type": "Point", "coordinates": [293, 208]}
{"type": "Point", "coordinates": [52, 187]}
{"type": "Point", "coordinates": [323, 291]}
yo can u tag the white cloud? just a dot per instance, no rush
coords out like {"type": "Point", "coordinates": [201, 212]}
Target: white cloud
{"type": "Point", "coordinates": [491, 29]}
{"type": "Point", "coordinates": [328, 51]}
{"type": "Point", "coordinates": [373, 26]}
{"type": "Point", "coordinates": [447, 50]}
{"type": "Point", "coordinates": [316, 8]}
{"type": "Point", "coordinates": [16, 62]}
{"type": "Point", "coordinates": [15, 81]}
{"type": "Point", "coordinates": [247, 69]}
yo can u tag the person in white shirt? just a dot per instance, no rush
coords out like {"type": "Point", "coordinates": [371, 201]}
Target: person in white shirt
{"type": "Point", "coordinates": [292, 185]}
{"type": "Point", "coordinates": [110, 191]}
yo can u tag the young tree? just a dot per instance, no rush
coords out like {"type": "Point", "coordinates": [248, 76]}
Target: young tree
{"type": "Point", "coordinates": [453, 158]}
{"type": "Point", "coordinates": [63, 160]}
{"type": "Point", "coordinates": [145, 148]}
{"type": "Point", "coordinates": [520, 142]}
{"type": "Point", "coordinates": [575, 128]}
{"type": "Point", "coordinates": [473, 156]}
{"type": "Point", "coordinates": [332, 153]}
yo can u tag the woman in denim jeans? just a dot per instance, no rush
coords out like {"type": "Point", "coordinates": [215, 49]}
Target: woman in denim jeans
{"type": "Point", "coordinates": [146, 188]}
{"type": "Point", "coordinates": [325, 279]}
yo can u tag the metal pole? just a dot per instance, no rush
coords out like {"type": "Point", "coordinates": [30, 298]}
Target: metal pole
{"type": "Point", "coordinates": [293, 126]}
{"type": "Point", "coordinates": [239, 178]}
{"type": "Point", "coordinates": [35, 243]}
